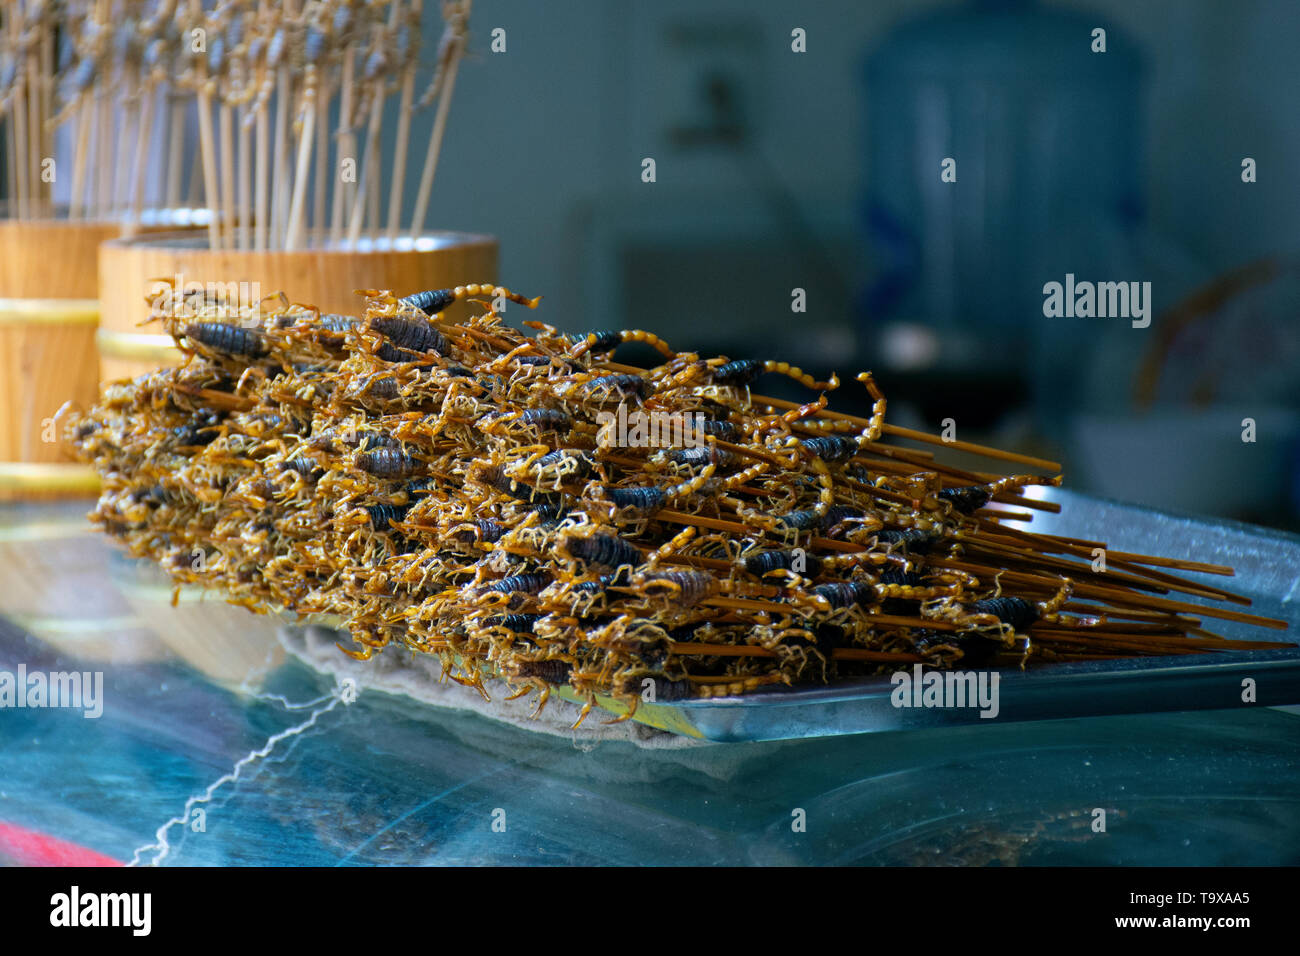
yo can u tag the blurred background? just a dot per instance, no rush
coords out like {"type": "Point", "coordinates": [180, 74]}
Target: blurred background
{"type": "Point", "coordinates": [821, 170]}
{"type": "Point", "coordinates": [777, 170]}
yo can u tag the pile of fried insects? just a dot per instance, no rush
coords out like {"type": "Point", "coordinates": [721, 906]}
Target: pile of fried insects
{"type": "Point", "coordinates": [524, 507]}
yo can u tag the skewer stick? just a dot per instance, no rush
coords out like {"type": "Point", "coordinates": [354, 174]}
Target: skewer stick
{"type": "Point", "coordinates": [1033, 504]}
{"type": "Point", "coordinates": [996, 515]}
{"type": "Point", "coordinates": [1124, 565]}
{"type": "Point", "coordinates": [175, 149]}
{"type": "Point", "coordinates": [211, 198]}
{"type": "Point", "coordinates": [104, 197]}
{"type": "Point", "coordinates": [280, 185]}
{"type": "Point", "coordinates": [1120, 597]}
{"type": "Point", "coordinates": [46, 69]}
{"type": "Point", "coordinates": [700, 649]}
{"type": "Point", "coordinates": [319, 191]}
{"type": "Point", "coordinates": [141, 160]}
{"type": "Point", "coordinates": [372, 148]}
{"type": "Point", "coordinates": [1065, 539]}
{"type": "Point", "coordinates": [79, 159]}
{"type": "Point", "coordinates": [306, 140]}
{"type": "Point", "coordinates": [123, 141]}
{"type": "Point", "coordinates": [11, 161]}
{"type": "Point", "coordinates": [435, 143]}
{"type": "Point", "coordinates": [245, 185]}
{"type": "Point", "coordinates": [399, 154]}
{"type": "Point", "coordinates": [346, 148]}
{"type": "Point", "coordinates": [693, 648]}
{"type": "Point", "coordinates": [696, 561]}
{"type": "Point", "coordinates": [1132, 614]}
{"type": "Point", "coordinates": [36, 135]}
{"type": "Point", "coordinates": [900, 432]}
{"type": "Point", "coordinates": [194, 176]}
{"type": "Point", "coordinates": [20, 132]}
{"type": "Point", "coordinates": [862, 654]}
{"type": "Point", "coordinates": [1136, 646]}
{"type": "Point", "coordinates": [260, 222]}
{"type": "Point", "coordinates": [1177, 563]}
{"type": "Point", "coordinates": [372, 182]}
{"type": "Point", "coordinates": [225, 119]}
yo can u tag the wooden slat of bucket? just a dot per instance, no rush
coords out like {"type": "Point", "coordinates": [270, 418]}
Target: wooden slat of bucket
{"type": "Point", "coordinates": [49, 287]}
{"type": "Point", "coordinates": [128, 354]}
{"type": "Point", "coordinates": [321, 275]}
{"type": "Point", "coordinates": [47, 358]}
{"type": "Point", "coordinates": [58, 258]}
{"type": "Point", "coordinates": [51, 258]}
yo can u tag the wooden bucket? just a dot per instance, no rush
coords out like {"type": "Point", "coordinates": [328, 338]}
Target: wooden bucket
{"type": "Point", "coordinates": [322, 274]}
{"type": "Point", "coordinates": [48, 312]}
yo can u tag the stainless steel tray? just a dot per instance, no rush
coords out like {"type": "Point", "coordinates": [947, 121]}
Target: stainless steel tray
{"type": "Point", "coordinates": [1268, 571]}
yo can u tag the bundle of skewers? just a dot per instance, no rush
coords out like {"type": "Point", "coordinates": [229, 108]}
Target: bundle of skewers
{"type": "Point", "coordinates": [527, 508]}
{"type": "Point", "coordinates": [289, 101]}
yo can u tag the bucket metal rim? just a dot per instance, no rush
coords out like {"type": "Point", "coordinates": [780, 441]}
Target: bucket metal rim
{"type": "Point", "coordinates": [49, 311]}
{"type": "Point", "coordinates": [48, 476]}
{"type": "Point", "coordinates": [143, 346]}
{"type": "Point", "coordinates": [370, 242]}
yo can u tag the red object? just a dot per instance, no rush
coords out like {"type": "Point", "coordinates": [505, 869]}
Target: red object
{"type": "Point", "coordinates": [30, 848]}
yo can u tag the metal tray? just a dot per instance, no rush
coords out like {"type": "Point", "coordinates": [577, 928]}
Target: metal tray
{"type": "Point", "coordinates": [1268, 571]}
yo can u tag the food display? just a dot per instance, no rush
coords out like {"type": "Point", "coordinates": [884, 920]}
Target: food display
{"type": "Point", "coordinates": [524, 506]}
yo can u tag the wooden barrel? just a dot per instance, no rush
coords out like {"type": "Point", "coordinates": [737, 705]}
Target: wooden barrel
{"type": "Point", "coordinates": [48, 312]}
{"type": "Point", "coordinates": [47, 354]}
{"type": "Point", "coordinates": [322, 274]}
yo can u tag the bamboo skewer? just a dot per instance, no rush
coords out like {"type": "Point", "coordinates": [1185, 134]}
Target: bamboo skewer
{"type": "Point", "coordinates": [207, 153]}
{"type": "Point", "coordinates": [1076, 572]}
{"type": "Point", "coordinates": [1117, 596]}
{"type": "Point", "coordinates": [245, 186]}
{"type": "Point", "coordinates": [261, 224]}
{"type": "Point", "coordinates": [79, 160]}
{"type": "Point", "coordinates": [175, 150]}
{"type": "Point", "coordinates": [306, 141]}
{"type": "Point", "coordinates": [319, 190]}
{"type": "Point", "coordinates": [141, 161]}
{"type": "Point", "coordinates": [20, 140]}
{"type": "Point", "coordinates": [1127, 563]}
{"type": "Point", "coordinates": [435, 137]}
{"type": "Point", "coordinates": [695, 648]}
{"type": "Point", "coordinates": [900, 432]}
{"type": "Point", "coordinates": [36, 135]}
{"type": "Point", "coordinates": [105, 197]}
{"type": "Point", "coordinates": [227, 124]}
{"type": "Point", "coordinates": [280, 171]}
{"type": "Point", "coordinates": [346, 148]}
{"type": "Point", "coordinates": [362, 194]}
{"type": "Point", "coordinates": [398, 177]}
